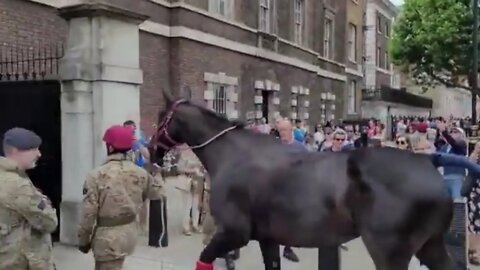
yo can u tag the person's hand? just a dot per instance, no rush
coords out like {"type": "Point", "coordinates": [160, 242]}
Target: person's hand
{"type": "Point", "coordinates": [441, 126]}
{"type": "Point", "coordinates": [84, 249]}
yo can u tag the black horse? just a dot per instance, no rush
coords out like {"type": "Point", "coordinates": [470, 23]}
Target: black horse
{"type": "Point", "coordinates": [262, 190]}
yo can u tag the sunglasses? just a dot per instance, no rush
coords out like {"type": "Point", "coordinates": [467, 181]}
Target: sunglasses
{"type": "Point", "coordinates": [339, 140]}
{"type": "Point", "coordinates": [401, 142]}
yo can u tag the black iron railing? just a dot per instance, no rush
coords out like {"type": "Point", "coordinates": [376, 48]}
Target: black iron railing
{"type": "Point", "coordinates": [393, 95]}
{"type": "Point", "coordinates": [29, 63]}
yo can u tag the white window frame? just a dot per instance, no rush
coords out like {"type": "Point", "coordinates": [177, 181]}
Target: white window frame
{"type": "Point", "coordinates": [327, 38]}
{"type": "Point", "coordinates": [379, 55]}
{"type": "Point", "coordinates": [379, 24]}
{"type": "Point", "coordinates": [298, 18]}
{"type": "Point", "coordinates": [352, 97]}
{"type": "Point", "coordinates": [387, 29]}
{"type": "Point", "coordinates": [265, 16]}
{"type": "Point", "coordinates": [215, 6]}
{"type": "Point", "coordinates": [352, 42]}
{"type": "Point", "coordinates": [386, 60]}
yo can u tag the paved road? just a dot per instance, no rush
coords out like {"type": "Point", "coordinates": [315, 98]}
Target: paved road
{"type": "Point", "coordinates": [184, 251]}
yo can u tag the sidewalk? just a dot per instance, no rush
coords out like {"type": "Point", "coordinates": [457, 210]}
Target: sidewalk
{"type": "Point", "coordinates": [183, 252]}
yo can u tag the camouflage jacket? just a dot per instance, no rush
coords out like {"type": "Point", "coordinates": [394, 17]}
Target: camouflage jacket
{"type": "Point", "coordinates": [26, 220]}
{"type": "Point", "coordinates": [113, 197]}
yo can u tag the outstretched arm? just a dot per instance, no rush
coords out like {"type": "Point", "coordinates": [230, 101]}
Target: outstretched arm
{"type": "Point", "coordinates": [444, 159]}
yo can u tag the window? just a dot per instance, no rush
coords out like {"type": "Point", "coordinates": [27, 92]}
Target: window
{"type": "Point", "coordinates": [387, 29]}
{"type": "Point", "coordinates": [386, 63]}
{"type": "Point", "coordinates": [267, 16]}
{"type": "Point", "coordinates": [298, 16]}
{"type": "Point", "coordinates": [220, 99]}
{"type": "Point", "coordinates": [379, 54]}
{"type": "Point", "coordinates": [352, 43]}
{"type": "Point", "coordinates": [221, 7]}
{"type": "Point", "coordinates": [327, 39]}
{"type": "Point", "coordinates": [379, 24]}
{"type": "Point", "coordinates": [352, 97]}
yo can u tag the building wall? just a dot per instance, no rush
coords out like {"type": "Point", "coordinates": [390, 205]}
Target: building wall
{"type": "Point", "coordinates": [355, 17]}
{"type": "Point", "coordinates": [379, 16]}
{"type": "Point", "coordinates": [447, 101]}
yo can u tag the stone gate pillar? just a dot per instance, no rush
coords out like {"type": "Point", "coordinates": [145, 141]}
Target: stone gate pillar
{"type": "Point", "coordinates": [100, 76]}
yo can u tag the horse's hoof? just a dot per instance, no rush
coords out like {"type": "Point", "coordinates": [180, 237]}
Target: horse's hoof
{"type": "Point", "coordinates": [203, 266]}
{"type": "Point", "coordinates": [236, 254]}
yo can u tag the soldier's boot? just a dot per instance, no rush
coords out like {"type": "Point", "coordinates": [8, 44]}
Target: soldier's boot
{"type": "Point", "coordinates": [290, 255]}
{"type": "Point", "coordinates": [229, 261]}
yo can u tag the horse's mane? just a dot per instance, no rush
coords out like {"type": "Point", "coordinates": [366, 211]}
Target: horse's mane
{"type": "Point", "coordinates": [211, 114]}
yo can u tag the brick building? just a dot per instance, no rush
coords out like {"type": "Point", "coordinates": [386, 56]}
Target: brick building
{"type": "Point", "coordinates": [243, 58]}
{"type": "Point", "coordinates": [384, 95]}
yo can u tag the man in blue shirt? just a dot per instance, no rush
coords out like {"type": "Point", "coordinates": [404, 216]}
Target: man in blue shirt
{"type": "Point", "coordinates": [139, 149]}
{"type": "Point", "coordinates": [285, 130]}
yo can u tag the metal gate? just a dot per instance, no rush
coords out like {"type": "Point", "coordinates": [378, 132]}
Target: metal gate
{"type": "Point", "coordinates": [30, 91]}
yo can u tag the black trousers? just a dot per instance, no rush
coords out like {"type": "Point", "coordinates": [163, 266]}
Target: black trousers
{"type": "Point", "coordinates": [157, 225]}
{"type": "Point", "coordinates": [329, 258]}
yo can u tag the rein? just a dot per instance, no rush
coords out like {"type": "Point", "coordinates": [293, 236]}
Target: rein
{"type": "Point", "coordinates": [162, 132]}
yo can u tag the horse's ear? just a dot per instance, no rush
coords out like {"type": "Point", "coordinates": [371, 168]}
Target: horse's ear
{"type": "Point", "coordinates": [167, 97]}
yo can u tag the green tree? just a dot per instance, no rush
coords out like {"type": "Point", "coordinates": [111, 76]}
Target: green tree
{"type": "Point", "coordinates": [432, 41]}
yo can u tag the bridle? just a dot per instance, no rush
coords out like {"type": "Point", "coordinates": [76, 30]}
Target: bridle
{"type": "Point", "coordinates": [162, 139]}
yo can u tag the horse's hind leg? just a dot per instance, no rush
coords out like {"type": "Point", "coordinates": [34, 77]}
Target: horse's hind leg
{"type": "Point", "coordinates": [434, 255]}
{"type": "Point", "coordinates": [271, 254]}
{"type": "Point", "coordinates": [222, 243]}
{"type": "Point", "coordinates": [388, 252]}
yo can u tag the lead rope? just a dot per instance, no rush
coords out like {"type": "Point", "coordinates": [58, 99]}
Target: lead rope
{"type": "Point", "coordinates": [221, 133]}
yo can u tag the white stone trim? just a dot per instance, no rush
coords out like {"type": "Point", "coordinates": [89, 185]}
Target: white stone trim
{"type": "Point", "coordinates": [258, 114]}
{"type": "Point", "coordinates": [276, 114]}
{"type": "Point", "coordinates": [258, 100]}
{"type": "Point", "coordinates": [306, 103]}
{"type": "Point", "coordinates": [294, 102]}
{"type": "Point", "coordinates": [63, 3]}
{"type": "Point", "coordinates": [268, 85]}
{"type": "Point", "coordinates": [232, 96]}
{"type": "Point", "coordinates": [294, 90]}
{"type": "Point", "coordinates": [354, 72]}
{"type": "Point", "coordinates": [306, 116]}
{"type": "Point", "coordinates": [276, 101]}
{"type": "Point", "coordinates": [306, 92]}
{"type": "Point", "coordinates": [220, 78]}
{"type": "Point", "coordinates": [199, 36]}
{"type": "Point", "coordinates": [259, 85]}
{"type": "Point", "coordinates": [276, 87]}
{"type": "Point", "coordinates": [293, 115]}
{"type": "Point", "coordinates": [208, 94]}
{"type": "Point", "coordinates": [385, 71]}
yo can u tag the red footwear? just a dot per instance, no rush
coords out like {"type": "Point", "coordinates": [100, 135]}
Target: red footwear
{"type": "Point", "coordinates": [204, 266]}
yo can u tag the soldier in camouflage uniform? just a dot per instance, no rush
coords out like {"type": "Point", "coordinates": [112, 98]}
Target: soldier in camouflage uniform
{"type": "Point", "coordinates": [113, 196]}
{"type": "Point", "coordinates": [189, 182]}
{"type": "Point", "coordinates": [26, 215]}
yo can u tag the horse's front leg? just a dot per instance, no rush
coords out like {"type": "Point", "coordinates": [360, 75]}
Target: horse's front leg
{"type": "Point", "coordinates": [271, 254]}
{"type": "Point", "coordinates": [222, 243]}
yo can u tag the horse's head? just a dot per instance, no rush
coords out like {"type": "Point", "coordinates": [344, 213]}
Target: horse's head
{"type": "Point", "coordinates": [183, 122]}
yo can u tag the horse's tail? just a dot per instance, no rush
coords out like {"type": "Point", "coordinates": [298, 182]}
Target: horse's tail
{"type": "Point", "coordinates": [355, 173]}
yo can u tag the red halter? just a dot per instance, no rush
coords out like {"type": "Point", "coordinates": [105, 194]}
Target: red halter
{"type": "Point", "coordinates": [161, 137]}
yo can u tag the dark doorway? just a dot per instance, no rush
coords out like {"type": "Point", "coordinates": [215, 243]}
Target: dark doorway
{"type": "Point", "coordinates": [35, 105]}
{"type": "Point", "coordinates": [266, 104]}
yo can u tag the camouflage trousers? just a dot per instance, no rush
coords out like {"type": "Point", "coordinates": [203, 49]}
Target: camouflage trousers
{"type": "Point", "coordinates": [110, 265]}
{"type": "Point", "coordinates": [208, 224]}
